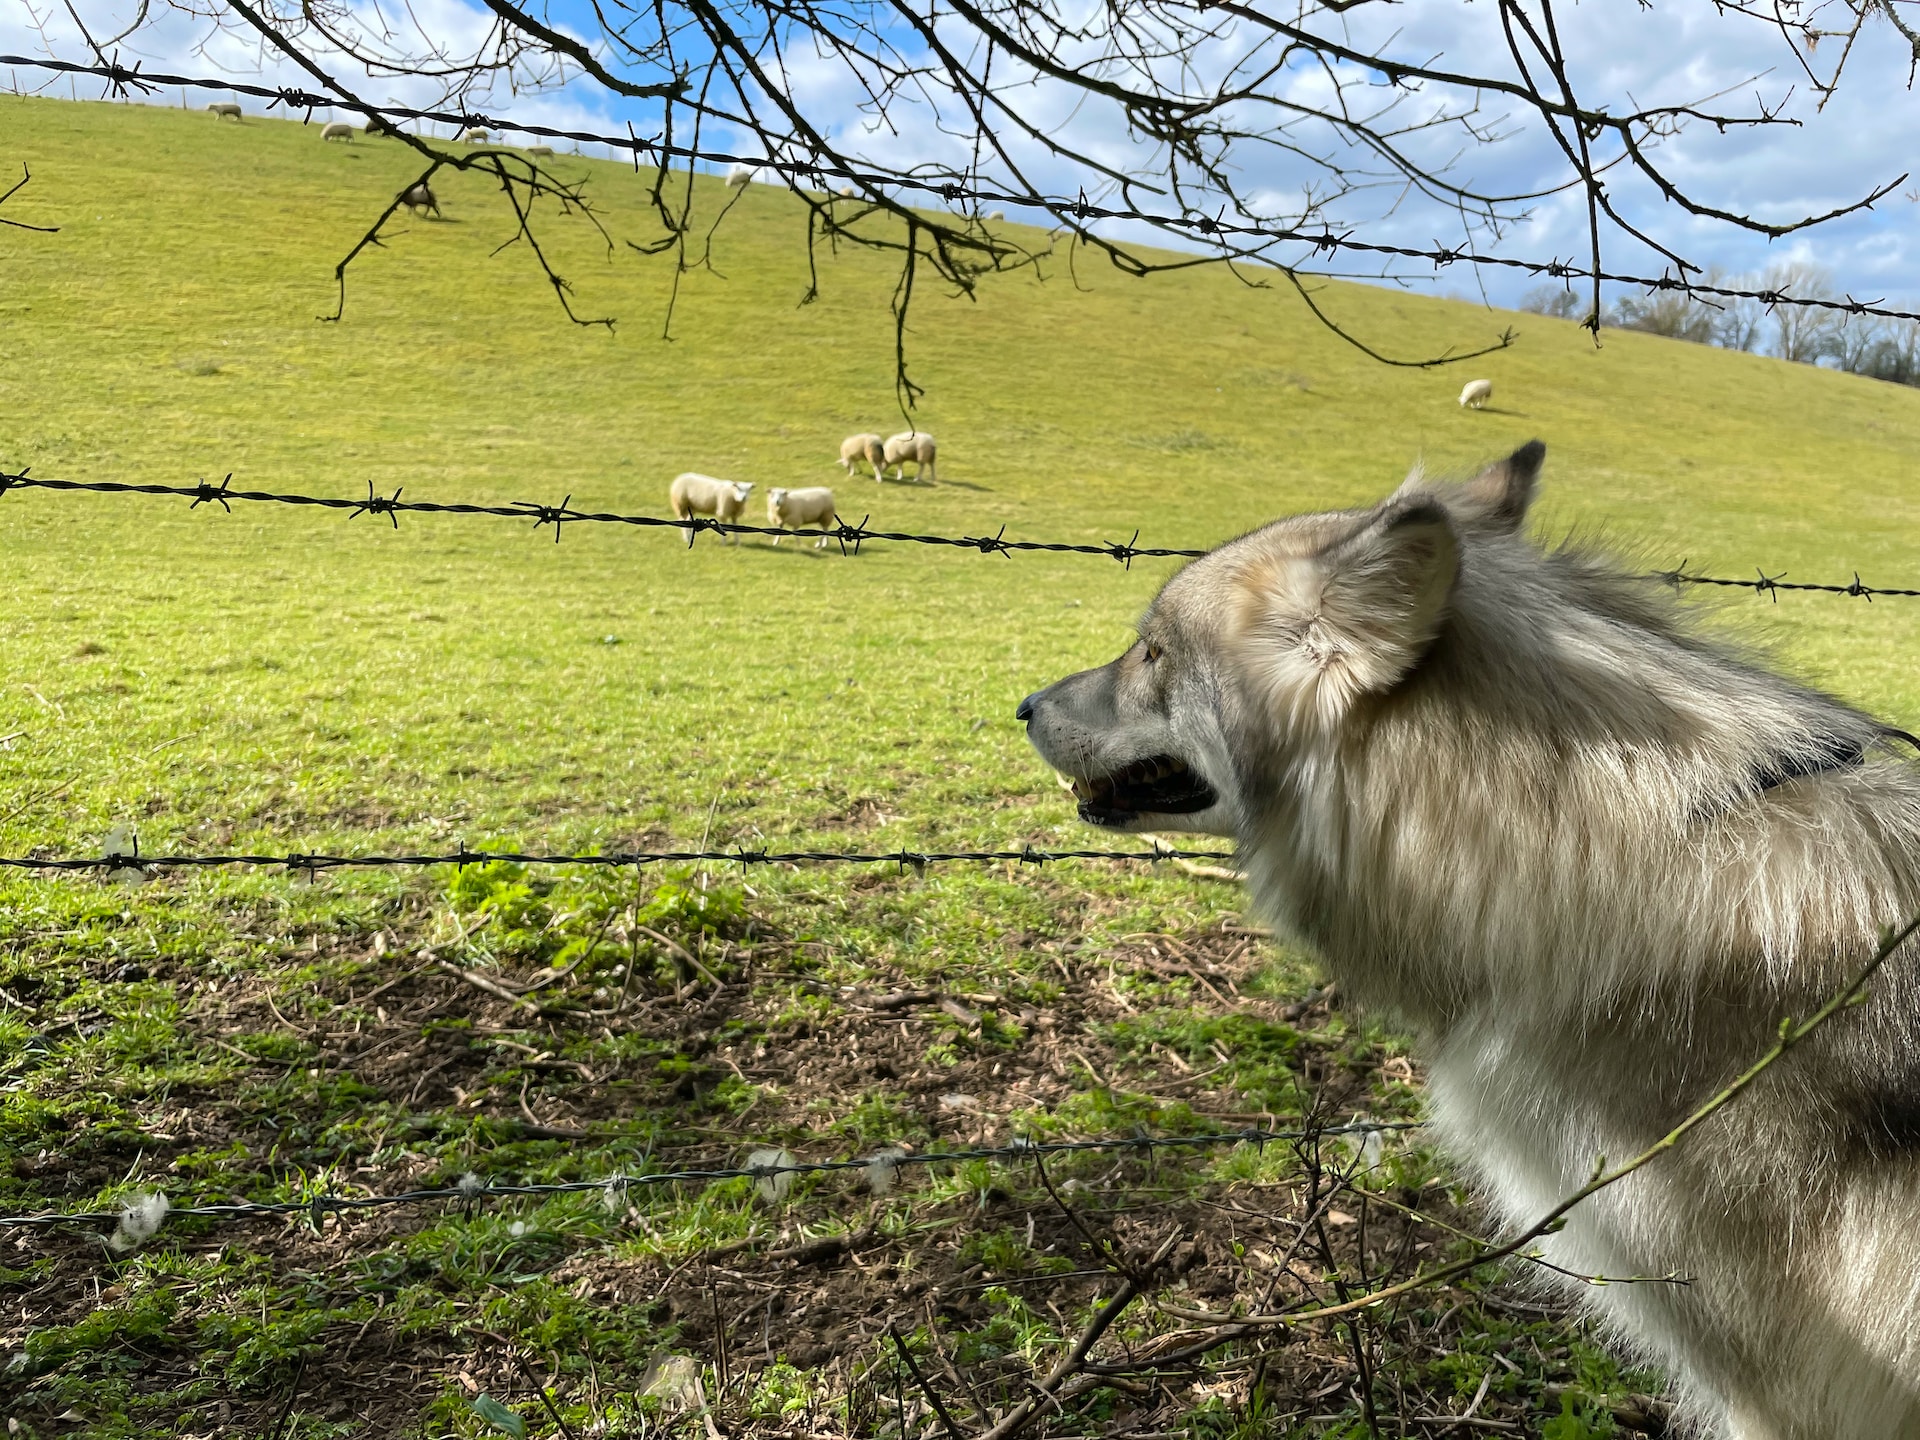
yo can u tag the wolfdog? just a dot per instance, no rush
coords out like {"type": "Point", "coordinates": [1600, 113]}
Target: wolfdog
{"type": "Point", "coordinates": [1592, 857]}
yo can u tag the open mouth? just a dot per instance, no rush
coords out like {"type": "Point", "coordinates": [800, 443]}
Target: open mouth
{"type": "Point", "coordinates": [1158, 785]}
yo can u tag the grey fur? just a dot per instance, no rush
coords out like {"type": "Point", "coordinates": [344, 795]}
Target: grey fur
{"type": "Point", "coordinates": [1515, 797]}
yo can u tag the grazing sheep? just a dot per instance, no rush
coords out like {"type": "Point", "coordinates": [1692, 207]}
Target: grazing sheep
{"type": "Point", "coordinates": [993, 215]}
{"type": "Point", "coordinates": [791, 509]}
{"type": "Point", "coordinates": [474, 136]}
{"type": "Point", "coordinates": [419, 196]}
{"type": "Point", "coordinates": [337, 130]}
{"type": "Point", "coordinates": [225, 110]}
{"type": "Point", "coordinates": [739, 175]}
{"type": "Point", "coordinates": [1477, 393]}
{"type": "Point", "coordinates": [540, 152]}
{"type": "Point", "coordinates": [693, 495]}
{"type": "Point", "coordinates": [914, 445]}
{"type": "Point", "coordinates": [846, 191]}
{"type": "Point", "coordinates": [856, 448]}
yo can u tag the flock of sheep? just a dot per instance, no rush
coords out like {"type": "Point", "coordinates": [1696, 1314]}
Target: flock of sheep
{"type": "Point", "coordinates": [418, 197]}
{"type": "Point", "coordinates": [693, 494]}
{"type": "Point", "coordinates": [894, 451]}
{"type": "Point", "coordinates": [342, 130]}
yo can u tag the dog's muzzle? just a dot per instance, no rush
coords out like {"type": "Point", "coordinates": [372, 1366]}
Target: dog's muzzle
{"type": "Point", "coordinates": [1153, 785]}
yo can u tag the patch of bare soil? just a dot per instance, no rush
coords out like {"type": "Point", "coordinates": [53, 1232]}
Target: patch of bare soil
{"type": "Point", "coordinates": [999, 1278]}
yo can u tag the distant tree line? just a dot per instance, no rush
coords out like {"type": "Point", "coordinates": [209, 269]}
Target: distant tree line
{"type": "Point", "coordinates": [1859, 344]}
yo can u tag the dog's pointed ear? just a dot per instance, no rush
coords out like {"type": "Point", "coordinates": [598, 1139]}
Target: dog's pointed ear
{"type": "Point", "coordinates": [1495, 501]}
{"type": "Point", "coordinates": [1326, 629]}
{"type": "Point", "coordinates": [1498, 498]}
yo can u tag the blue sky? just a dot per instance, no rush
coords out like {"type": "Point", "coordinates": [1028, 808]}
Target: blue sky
{"type": "Point", "coordinates": [1678, 51]}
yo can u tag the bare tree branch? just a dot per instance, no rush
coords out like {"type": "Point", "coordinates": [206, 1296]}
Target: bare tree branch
{"type": "Point", "coordinates": [1265, 137]}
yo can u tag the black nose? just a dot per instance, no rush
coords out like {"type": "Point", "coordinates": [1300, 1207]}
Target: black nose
{"type": "Point", "coordinates": [1025, 712]}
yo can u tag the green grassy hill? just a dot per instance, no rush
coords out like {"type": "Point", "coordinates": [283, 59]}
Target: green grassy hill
{"type": "Point", "coordinates": [168, 332]}
{"type": "Point", "coordinates": [278, 677]}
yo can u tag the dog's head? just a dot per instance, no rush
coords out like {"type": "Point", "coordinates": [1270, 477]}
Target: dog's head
{"type": "Point", "coordinates": [1284, 632]}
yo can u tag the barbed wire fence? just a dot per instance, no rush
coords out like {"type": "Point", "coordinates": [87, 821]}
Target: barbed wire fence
{"type": "Point", "coordinates": [127, 857]}
{"type": "Point", "coordinates": [1196, 205]}
{"type": "Point", "coordinates": [877, 1167]}
{"type": "Point", "coordinates": [850, 537]}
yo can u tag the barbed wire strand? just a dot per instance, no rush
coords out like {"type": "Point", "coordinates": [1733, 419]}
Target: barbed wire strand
{"type": "Point", "coordinates": [1767, 585]}
{"type": "Point", "coordinates": [121, 78]}
{"type": "Point", "coordinates": [205, 492]}
{"type": "Point", "coordinates": [392, 506]}
{"type": "Point", "coordinates": [131, 859]}
{"type": "Point", "coordinates": [471, 1189]}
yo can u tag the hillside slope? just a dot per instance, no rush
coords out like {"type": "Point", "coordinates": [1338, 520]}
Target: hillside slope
{"type": "Point", "coordinates": [299, 679]}
{"type": "Point", "coordinates": [168, 332]}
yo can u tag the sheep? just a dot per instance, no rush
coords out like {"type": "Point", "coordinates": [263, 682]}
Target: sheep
{"type": "Point", "coordinates": [914, 445]}
{"type": "Point", "coordinates": [1477, 393]}
{"type": "Point", "coordinates": [337, 130]}
{"type": "Point", "coordinates": [377, 126]}
{"type": "Point", "coordinates": [693, 495]}
{"type": "Point", "coordinates": [419, 196]}
{"type": "Point", "coordinates": [540, 152]}
{"type": "Point", "coordinates": [740, 175]}
{"type": "Point", "coordinates": [856, 448]}
{"type": "Point", "coordinates": [473, 136]}
{"type": "Point", "coordinates": [845, 192]}
{"type": "Point", "coordinates": [995, 215]}
{"type": "Point", "coordinates": [225, 110]}
{"type": "Point", "coordinates": [791, 509]}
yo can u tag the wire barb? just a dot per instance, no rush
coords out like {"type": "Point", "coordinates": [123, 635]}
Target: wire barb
{"type": "Point", "coordinates": [376, 504]}
{"type": "Point", "coordinates": [205, 491]}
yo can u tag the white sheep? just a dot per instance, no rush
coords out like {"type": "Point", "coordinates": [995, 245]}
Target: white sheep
{"type": "Point", "coordinates": [693, 495]}
{"type": "Point", "coordinates": [418, 197]}
{"type": "Point", "coordinates": [996, 215]}
{"type": "Point", "coordinates": [856, 448]}
{"type": "Point", "coordinates": [540, 152]}
{"type": "Point", "coordinates": [739, 175]}
{"type": "Point", "coordinates": [1477, 393]}
{"type": "Point", "coordinates": [914, 445]}
{"type": "Point", "coordinates": [845, 191]}
{"type": "Point", "coordinates": [225, 110]}
{"type": "Point", "coordinates": [474, 136]}
{"type": "Point", "coordinates": [791, 509]}
{"type": "Point", "coordinates": [337, 130]}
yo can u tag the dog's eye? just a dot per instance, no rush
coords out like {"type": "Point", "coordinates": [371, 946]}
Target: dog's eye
{"type": "Point", "coordinates": [1153, 652]}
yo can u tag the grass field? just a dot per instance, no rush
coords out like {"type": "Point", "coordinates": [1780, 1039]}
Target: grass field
{"type": "Point", "coordinates": [286, 680]}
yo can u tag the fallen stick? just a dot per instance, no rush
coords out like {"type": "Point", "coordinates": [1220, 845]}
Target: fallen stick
{"type": "Point", "coordinates": [492, 987]}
